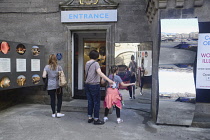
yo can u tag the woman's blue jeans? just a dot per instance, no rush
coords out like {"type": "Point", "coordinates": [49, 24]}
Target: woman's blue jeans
{"type": "Point", "coordinates": [93, 94]}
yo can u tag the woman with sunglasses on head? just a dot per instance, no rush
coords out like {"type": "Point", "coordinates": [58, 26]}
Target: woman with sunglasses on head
{"type": "Point", "coordinates": [51, 72]}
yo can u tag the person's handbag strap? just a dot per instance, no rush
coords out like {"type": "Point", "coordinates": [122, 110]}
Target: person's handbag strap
{"type": "Point", "coordinates": [88, 69]}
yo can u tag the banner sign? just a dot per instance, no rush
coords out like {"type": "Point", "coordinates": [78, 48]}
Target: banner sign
{"type": "Point", "coordinates": [203, 62]}
{"type": "Point", "coordinates": [89, 16]}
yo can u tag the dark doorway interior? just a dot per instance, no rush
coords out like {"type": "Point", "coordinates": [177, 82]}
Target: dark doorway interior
{"type": "Point", "coordinates": [84, 42]}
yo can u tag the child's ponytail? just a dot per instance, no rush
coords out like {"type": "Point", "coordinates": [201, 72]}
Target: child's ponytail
{"type": "Point", "coordinates": [113, 70]}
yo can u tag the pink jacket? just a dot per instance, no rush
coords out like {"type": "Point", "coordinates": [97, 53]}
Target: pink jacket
{"type": "Point", "coordinates": [112, 98]}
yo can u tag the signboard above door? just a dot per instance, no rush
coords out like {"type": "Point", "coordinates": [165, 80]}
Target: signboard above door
{"type": "Point", "coordinates": [89, 16]}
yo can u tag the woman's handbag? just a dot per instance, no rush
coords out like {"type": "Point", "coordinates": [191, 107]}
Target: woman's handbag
{"type": "Point", "coordinates": [62, 79]}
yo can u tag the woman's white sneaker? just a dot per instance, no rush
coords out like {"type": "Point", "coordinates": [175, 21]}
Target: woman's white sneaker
{"type": "Point", "coordinates": [119, 121]}
{"type": "Point", "coordinates": [60, 115]}
{"type": "Point", "coordinates": [53, 115]}
{"type": "Point", "coordinates": [105, 119]}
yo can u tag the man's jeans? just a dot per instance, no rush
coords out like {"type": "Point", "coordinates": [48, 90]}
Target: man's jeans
{"type": "Point", "coordinates": [94, 96]}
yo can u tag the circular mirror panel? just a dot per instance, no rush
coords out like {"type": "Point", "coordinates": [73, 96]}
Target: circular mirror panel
{"type": "Point", "coordinates": [35, 50]}
{"type": "Point", "coordinates": [35, 79]}
{"type": "Point", "coordinates": [20, 49]}
{"type": "Point", "coordinates": [4, 82]}
{"type": "Point", "coordinates": [21, 80]}
{"type": "Point", "coordinates": [4, 47]}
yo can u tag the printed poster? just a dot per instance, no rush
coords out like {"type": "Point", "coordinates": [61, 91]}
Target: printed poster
{"type": "Point", "coordinates": [35, 64]}
{"type": "Point", "coordinates": [5, 65]}
{"type": "Point", "coordinates": [21, 65]}
{"type": "Point", "coordinates": [203, 62]}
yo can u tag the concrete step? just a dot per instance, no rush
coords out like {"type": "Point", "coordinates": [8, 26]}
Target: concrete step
{"type": "Point", "coordinates": [78, 105]}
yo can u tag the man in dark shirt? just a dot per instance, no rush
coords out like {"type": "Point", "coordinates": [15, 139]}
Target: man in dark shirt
{"type": "Point", "coordinates": [132, 67]}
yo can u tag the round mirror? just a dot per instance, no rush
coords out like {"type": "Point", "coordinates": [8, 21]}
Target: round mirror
{"type": "Point", "coordinates": [4, 82]}
{"type": "Point", "coordinates": [21, 80]}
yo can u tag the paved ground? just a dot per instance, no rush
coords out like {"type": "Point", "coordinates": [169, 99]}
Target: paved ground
{"type": "Point", "coordinates": [175, 113]}
{"type": "Point", "coordinates": [34, 122]}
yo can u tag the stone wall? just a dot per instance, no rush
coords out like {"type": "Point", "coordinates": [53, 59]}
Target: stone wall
{"type": "Point", "coordinates": [34, 23]}
{"type": "Point", "coordinates": [38, 22]}
{"type": "Point", "coordinates": [176, 9]}
{"type": "Point", "coordinates": [192, 9]}
{"type": "Point", "coordinates": [132, 25]}
{"type": "Point", "coordinates": [155, 32]}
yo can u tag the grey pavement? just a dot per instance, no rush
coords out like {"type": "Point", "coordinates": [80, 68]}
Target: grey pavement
{"type": "Point", "coordinates": [34, 122]}
{"type": "Point", "coordinates": [175, 113]}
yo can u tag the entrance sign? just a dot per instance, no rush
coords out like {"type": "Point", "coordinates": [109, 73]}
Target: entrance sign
{"type": "Point", "coordinates": [89, 16]}
{"type": "Point", "coordinates": [203, 62]}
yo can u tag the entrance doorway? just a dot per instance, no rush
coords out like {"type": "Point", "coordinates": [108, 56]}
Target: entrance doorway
{"type": "Point", "coordinates": [83, 43]}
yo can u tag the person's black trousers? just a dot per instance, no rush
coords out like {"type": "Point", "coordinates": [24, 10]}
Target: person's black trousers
{"type": "Point", "coordinates": [53, 94]}
{"type": "Point", "coordinates": [117, 112]}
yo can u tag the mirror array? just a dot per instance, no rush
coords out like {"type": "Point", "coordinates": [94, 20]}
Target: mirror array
{"type": "Point", "coordinates": [142, 53]}
{"type": "Point", "coordinates": [177, 58]}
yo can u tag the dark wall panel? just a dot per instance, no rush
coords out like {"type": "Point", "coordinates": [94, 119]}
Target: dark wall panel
{"type": "Point", "coordinates": [29, 55]}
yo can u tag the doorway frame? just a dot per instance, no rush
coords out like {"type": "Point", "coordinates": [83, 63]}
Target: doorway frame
{"type": "Point", "coordinates": [70, 49]}
{"type": "Point", "coordinates": [82, 36]}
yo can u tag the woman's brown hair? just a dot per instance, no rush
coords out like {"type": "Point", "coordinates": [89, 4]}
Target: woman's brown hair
{"type": "Point", "coordinates": [52, 62]}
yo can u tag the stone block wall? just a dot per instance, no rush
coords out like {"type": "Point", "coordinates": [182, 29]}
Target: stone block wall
{"type": "Point", "coordinates": [192, 9]}
{"type": "Point", "coordinates": [39, 22]}
{"type": "Point", "coordinates": [132, 25]}
{"type": "Point", "coordinates": [177, 9]}
{"type": "Point", "coordinates": [34, 22]}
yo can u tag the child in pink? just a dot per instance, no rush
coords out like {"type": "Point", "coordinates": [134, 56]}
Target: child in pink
{"type": "Point", "coordinates": [113, 97]}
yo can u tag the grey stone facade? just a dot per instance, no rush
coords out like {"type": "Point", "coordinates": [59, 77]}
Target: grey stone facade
{"type": "Point", "coordinates": [176, 9]}
{"type": "Point", "coordinates": [39, 22]}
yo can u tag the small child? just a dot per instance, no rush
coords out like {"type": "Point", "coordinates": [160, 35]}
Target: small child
{"type": "Point", "coordinates": [113, 96]}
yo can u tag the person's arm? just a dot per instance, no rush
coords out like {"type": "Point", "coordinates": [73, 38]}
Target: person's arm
{"type": "Point", "coordinates": [44, 75]}
{"type": "Point", "coordinates": [129, 67]}
{"type": "Point", "coordinates": [104, 76]}
{"type": "Point", "coordinates": [125, 85]}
